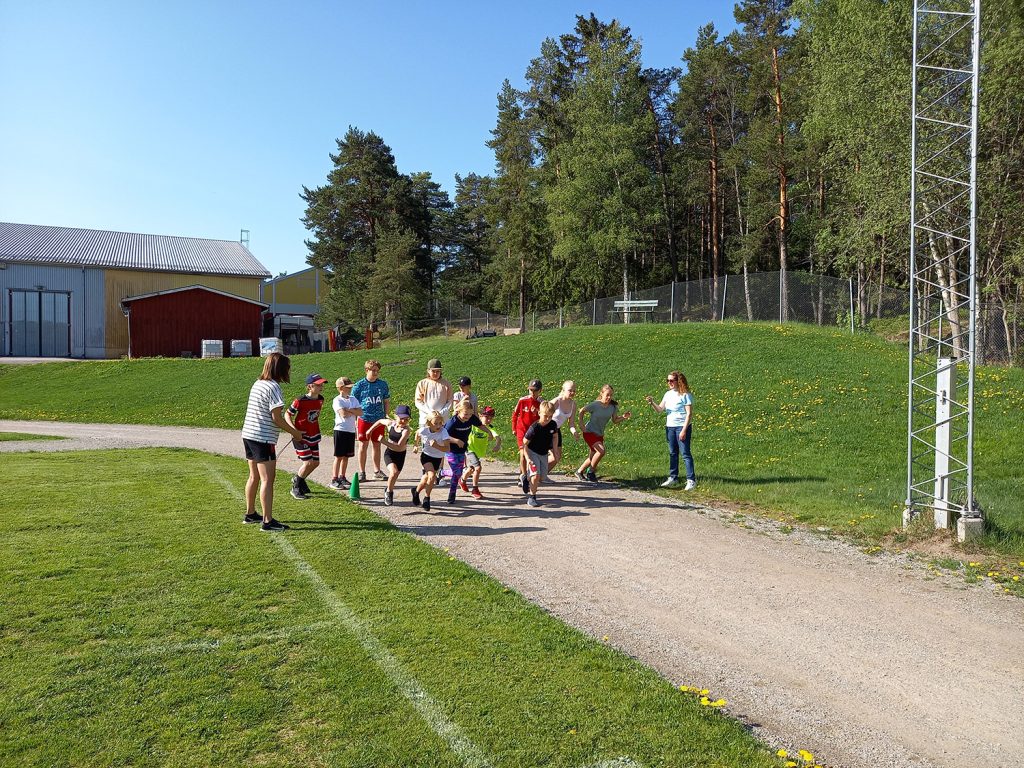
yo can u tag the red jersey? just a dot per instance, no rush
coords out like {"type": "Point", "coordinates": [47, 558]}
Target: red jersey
{"type": "Point", "coordinates": [526, 412]}
{"type": "Point", "coordinates": [305, 412]}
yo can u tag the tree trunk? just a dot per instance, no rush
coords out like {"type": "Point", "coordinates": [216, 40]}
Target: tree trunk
{"type": "Point", "coordinates": [715, 238]}
{"type": "Point", "coordinates": [783, 189]}
{"type": "Point", "coordinates": [666, 202]}
{"type": "Point", "coordinates": [522, 292]}
{"type": "Point", "coordinates": [746, 293]}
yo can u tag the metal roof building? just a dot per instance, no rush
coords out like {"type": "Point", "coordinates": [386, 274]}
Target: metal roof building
{"type": "Point", "coordinates": [61, 288]}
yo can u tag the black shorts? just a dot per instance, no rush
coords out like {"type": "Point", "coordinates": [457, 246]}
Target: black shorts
{"type": "Point", "coordinates": [394, 457]}
{"type": "Point", "coordinates": [344, 444]}
{"type": "Point", "coordinates": [559, 433]}
{"type": "Point", "coordinates": [430, 463]}
{"type": "Point", "coordinates": [259, 452]}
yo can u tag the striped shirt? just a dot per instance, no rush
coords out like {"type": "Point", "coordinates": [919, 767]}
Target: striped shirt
{"type": "Point", "coordinates": [264, 397]}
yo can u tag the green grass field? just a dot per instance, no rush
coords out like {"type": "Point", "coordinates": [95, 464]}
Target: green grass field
{"type": "Point", "coordinates": [143, 625]}
{"type": "Point", "coordinates": [10, 437]}
{"type": "Point", "coordinates": [804, 424]}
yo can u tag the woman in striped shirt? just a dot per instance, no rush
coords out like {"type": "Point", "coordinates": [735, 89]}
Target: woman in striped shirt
{"type": "Point", "coordinates": [263, 422]}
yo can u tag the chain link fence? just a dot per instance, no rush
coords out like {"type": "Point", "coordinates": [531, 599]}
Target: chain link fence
{"type": "Point", "coordinates": [778, 297]}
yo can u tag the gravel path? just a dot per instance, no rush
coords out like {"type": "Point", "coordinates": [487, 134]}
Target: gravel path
{"type": "Point", "coordinates": [865, 661]}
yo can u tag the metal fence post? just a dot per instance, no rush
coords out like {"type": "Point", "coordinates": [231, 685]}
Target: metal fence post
{"type": "Point", "coordinates": [560, 317]}
{"type": "Point", "coordinates": [672, 304]}
{"type": "Point", "coordinates": [851, 306]}
{"type": "Point", "coordinates": [725, 295]}
{"type": "Point", "coordinates": [781, 273]}
{"type": "Point", "coordinates": [535, 319]}
{"type": "Point", "coordinates": [594, 321]}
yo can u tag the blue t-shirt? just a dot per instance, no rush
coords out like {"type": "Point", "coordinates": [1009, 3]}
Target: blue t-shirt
{"type": "Point", "coordinates": [460, 430]}
{"type": "Point", "coordinates": [675, 404]}
{"type": "Point", "coordinates": [371, 396]}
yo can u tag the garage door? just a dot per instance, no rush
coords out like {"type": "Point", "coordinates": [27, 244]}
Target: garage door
{"type": "Point", "coordinates": [40, 323]}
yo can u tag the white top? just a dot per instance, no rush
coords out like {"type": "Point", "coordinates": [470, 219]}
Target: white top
{"type": "Point", "coordinates": [675, 407]}
{"type": "Point", "coordinates": [426, 436]}
{"type": "Point", "coordinates": [348, 423]}
{"type": "Point", "coordinates": [264, 397]}
{"type": "Point", "coordinates": [560, 416]}
{"type": "Point", "coordinates": [459, 396]}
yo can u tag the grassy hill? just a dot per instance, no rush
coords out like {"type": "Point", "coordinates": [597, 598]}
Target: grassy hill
{"type": "Point", "coordinates": [802, 423]}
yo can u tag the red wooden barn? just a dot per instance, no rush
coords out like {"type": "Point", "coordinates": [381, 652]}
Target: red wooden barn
{"type": "Point", "coordinates": [168, 323]}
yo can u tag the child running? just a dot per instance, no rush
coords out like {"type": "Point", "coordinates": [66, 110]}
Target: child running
{"type": "Point", "coordinates": [539, 439]}
{"type": "Point", "coordinates": [465, 393]}
{"type": "Point", "coordinates": [374, 398]}
{"type": "Point", "coordinates": [565, 412]}
{"type": "Point", "coordinates": [346, 410]}
{"type": "Point", "coordinates": [601, 411]}
{"type": "Point", "coordinates": [395, 440]}
{"type": "Point", "coordinates": [304, 415]}
{"type": "Point", "coordinates": [459, 428]}
{"type": "Point", "coordinates": [524, 414]}
{"type": "Point", "coordinates": [477, 447]}
{"type": "Point", "coordinates": [435, 442]}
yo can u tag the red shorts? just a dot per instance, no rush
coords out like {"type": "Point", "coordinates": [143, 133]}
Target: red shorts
{"type": "Point", "coordinates": [591, 439]}
{"type": "Point", "coordinates": [519, 439]}
{"type": "Point", "coordinates": [364, 433]}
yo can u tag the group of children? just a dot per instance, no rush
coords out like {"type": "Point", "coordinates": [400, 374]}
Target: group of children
{"type": "Point", "coordinates": [452, 428]}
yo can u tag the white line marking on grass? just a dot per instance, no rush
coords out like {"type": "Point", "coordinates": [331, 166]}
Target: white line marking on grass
{"type": "Point", "coordinates": [429, 710]}
{"type": "Point", "coordinates": [617, 762]}
{"type": "Point", "coordinates": [164, 649]}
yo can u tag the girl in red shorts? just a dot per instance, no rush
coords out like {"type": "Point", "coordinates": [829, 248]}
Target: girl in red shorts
{"type": "Point", "coordinates": [600, 411]}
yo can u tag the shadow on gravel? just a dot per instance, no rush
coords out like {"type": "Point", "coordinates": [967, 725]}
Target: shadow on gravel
{"type": "Point", "coordinates": [465, 530]}
{"type": "Point", "coordinates": [338, 525]}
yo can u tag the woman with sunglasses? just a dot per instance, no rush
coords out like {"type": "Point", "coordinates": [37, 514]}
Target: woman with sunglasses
{"type": "Point", "coordinates": [677, 404]}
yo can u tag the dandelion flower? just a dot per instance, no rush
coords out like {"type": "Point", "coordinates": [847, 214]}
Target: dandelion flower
{"type": "Point", "coordinates": [782, 753]}
{"type": "Point", "coordinates": [806, 756]}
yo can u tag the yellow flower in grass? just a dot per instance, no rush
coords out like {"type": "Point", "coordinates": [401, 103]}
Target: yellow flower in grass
{"type": "Point", "coordinates": [806, 756]}
{"type": "Point", "coordinates": [782, 753]}
{"type": "Point", "coordinates": [790, 764]}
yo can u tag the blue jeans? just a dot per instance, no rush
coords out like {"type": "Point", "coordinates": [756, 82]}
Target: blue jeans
{"type": "Point", "coordinates": [677, 441]}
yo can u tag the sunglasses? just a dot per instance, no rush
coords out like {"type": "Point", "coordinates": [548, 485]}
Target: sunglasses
{"type": "Point", "coordinates": [671, 381]}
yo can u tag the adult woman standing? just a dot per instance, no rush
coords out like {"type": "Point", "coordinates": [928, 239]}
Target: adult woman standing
{"type": "Point", "coordinates": [677, 403]}
{"type": "Point", "coordinates": [263, 422]}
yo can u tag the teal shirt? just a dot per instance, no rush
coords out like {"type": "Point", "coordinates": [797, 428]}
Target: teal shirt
{"type": "Point", "coordinates": [600, 415]}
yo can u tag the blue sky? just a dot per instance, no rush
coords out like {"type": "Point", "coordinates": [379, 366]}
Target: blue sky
{"type": "Point", "coordinates": [200, 119]}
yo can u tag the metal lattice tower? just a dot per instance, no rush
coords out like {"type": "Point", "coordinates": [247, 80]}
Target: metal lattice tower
{"type": "Point", "coordinates": [943, 292]}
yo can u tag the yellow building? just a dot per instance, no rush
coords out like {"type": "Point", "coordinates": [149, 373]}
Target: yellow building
{"type": "Point", "coordinates": [297, 294]}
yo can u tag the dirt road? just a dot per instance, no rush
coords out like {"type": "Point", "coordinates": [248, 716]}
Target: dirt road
{"type": "Point", "coordinates": [865, 661]}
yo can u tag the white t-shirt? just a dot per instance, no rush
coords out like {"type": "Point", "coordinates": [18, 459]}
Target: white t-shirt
{"type": "Point", "coordinates": [459, 396]}
{"type": "Point", "coordinates": [264, 397]}
{"type": "Point", "coordinates": [348, 423]}
{"type": "Point", "coordinates": [675, 407]}
{"type": "Point", "coordinates": [426, 436]}
{"type": "Point", "coordinates": [560, 416]}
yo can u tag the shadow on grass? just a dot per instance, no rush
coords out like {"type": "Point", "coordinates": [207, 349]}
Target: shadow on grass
{"type": "Point", "coordinates": [655, 482]}
{"type": "Point", "coordinates": [339, 525]}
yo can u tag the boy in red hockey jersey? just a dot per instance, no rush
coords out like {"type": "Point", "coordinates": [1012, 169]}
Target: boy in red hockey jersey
{"type": "Point", "coordinates": [304, 415]}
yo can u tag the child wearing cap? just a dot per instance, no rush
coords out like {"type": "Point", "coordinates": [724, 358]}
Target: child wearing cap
{"type": "Point", "coordinates": [465, 393]}
{"type": "Point", "coordinates": [374, 398]}
{"type": "Point", "coordinates": [395, 439]}
{"type": "Point", "coordinates": [346, 410]}
{"type": "Point", "coordinates": [539, 439]}
{"type": "Point", "coordinates": [304, 415]}
{"type": "Point", "coordinates": [479, 440]}
{"type": "Point", "coordinates": [524, 414]}
{"type": "Point", "coordinates": [433, 393]}
{"type": "Point", "coordinates": [435, 442]}
{"type": "Point", "coordinates": [459, 428]}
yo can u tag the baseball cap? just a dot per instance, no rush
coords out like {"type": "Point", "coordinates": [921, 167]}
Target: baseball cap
{"type": "Point", "coordinates": [315, 378]}
{"type": "Point", "coordinates": [487, 411]}
{"type": "Point", "coordinates": [464, 381]}
{"type": "Point", "coordinates": [434, 363]}
{"type": "Point", "coordinates": [343, 381]}
{"type": "Point", "coordinates": [535, 384]}
{"type": "Point", "coordinates": [403, 410]}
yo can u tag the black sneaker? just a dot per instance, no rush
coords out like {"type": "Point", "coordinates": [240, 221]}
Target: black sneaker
{"type": "Point", "coordinates": [336, 483]}
{"type": "Point", "coordinates": [451, 498]}
{"type": "Point", "coordinates": [362, 477]}
{"type": "Point", "coordinates": [426, 503]}
{"type": "Point", "coordinates": [253, 518]}
{"type": "Point", "coordinates": [378, 475]}
{"type": "Point", "coordinates": [525, 484]}
{"type": "Point", "coordinates": [592, 477]}
{"type": "Point", "coordinates": [298, 494]}
{"type": "Point", "coordinates": [389, 498]}
{"type": "Point", "coordinates": [344, 484]}
{"type": "Point", "coordinates": [580, 476]}
{"type": "Point", "coordinates": [273, 525]}
{"type": "Point", "coordinates": [415, 497]}
{"type": "Point", "coordinates": [304, 486]}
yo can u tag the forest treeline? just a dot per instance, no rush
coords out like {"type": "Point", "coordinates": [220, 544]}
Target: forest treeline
{"type": "Point", "coordinates": [783, 145]}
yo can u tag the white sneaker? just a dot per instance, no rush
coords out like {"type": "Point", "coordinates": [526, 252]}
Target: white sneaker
{"type": "Point", "coordinates": [670, 483]}
{"type": "Point", "coordinates": [690, 485]}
